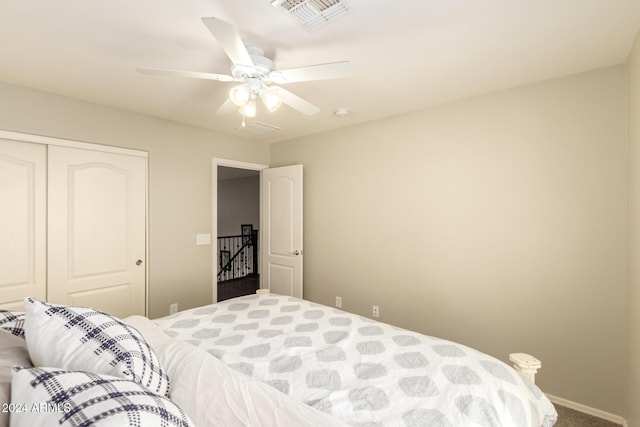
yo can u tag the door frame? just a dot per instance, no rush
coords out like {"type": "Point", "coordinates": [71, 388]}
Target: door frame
{"type": "Point", "coordinates": [214, 213]}
{"type": "Point", "coordinates": [50, 140]}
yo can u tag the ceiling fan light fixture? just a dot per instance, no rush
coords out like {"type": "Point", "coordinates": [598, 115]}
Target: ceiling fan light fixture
{"type": "Point", "coordinates": [240, 95]}
{"type": "Point", "coordinates": [270, 99]}
{"type": "Point", "coordinates": [249, 109]}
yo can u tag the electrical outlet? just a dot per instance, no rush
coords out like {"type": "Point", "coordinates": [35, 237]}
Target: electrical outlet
{"type": "Point", "coordinates": [376, 311]}
{"type": "Point", "coordinates": [173, 308]}
{"type": "Point", "coordinates": [339, 302]}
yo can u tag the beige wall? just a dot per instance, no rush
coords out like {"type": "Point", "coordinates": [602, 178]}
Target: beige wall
{"type": "Point", "coordinates": [633, 85]}
{"type": "Point", "coordinates": [497, 221]}
{"type": "Point", "coordinates": [179, 180]}
{"type": "Point", "coordinates": [238, 203]}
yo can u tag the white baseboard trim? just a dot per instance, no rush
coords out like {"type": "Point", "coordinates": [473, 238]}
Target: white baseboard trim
{"type": "Point", "coordinates": [588, 410]}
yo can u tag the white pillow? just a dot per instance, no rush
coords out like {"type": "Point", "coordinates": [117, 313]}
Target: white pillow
{"type": "Point", "coordinates": [83, 339]}
{"type": "Point", "coordinates": [13, 351]}
{"type": "Point", "coordinates": [50, 396]}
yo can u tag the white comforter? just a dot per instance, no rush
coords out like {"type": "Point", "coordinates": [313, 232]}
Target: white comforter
{"type": "Point", "coordinates": [362, 372]}
{"type": "Point", "coordinates": [211, 394]}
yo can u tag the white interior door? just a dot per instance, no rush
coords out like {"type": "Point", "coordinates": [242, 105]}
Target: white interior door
{"type": "Point", "coordinates": [97, 230]}
{"type": "Point", "coordinates": [23, 198]}
{"type": "Point", "coordinates": [281, 211]}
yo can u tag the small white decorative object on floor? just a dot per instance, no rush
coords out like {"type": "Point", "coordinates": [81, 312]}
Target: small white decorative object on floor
{"type": "Point", "coordinates": [526, 364]}
{"type": "Point", "coordinates": [263, 291]}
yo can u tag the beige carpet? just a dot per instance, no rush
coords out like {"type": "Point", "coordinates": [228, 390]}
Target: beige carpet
{"type": "Point", "coordinates": [570, 418]}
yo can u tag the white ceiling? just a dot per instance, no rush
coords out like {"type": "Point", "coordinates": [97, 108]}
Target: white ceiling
{"type": "Point", "coordinates": [407, 54]}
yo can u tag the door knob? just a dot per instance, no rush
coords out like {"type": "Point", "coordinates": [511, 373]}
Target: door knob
{"type": "Point", "coordinates": [296, 252]}
{"type": "Point", "coordinates": [138, 262]}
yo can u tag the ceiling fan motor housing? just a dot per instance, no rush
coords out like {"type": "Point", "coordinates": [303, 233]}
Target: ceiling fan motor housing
{"type": "Point", "coordinates": [261, 68]}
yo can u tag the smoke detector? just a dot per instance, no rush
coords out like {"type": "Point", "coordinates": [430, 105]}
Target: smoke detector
{"type": "Point", "coordinates": [341, 112]}
{"type": "Point", "coordinates": [315, 13]}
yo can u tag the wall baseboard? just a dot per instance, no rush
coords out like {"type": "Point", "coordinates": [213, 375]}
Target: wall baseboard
{"type": "Point", "coordinates": [588, 410]}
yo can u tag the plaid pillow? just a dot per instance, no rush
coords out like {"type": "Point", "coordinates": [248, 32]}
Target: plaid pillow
{"type": "Point", "coordinates": [50, 396]}
{"type": "Point", "coordinates": [12, 322]}
{"type": "Point", "coordinates": [83, 339]}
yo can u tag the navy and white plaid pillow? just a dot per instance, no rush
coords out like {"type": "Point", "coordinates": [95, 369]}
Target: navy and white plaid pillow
{"type": "Point", "coordinates": [51, 396]}
{"type": "Point", "coordinates": [12, 322]}
{"type": "Point", "coordinates": [84, 339]}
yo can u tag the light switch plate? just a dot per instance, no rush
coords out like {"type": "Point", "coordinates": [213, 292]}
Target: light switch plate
{"type": "Point", "coordinates": [203, 239]}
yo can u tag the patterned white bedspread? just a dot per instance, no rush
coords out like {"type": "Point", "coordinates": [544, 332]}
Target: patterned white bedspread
{"type": "Point", "coordinates": [364, 372]}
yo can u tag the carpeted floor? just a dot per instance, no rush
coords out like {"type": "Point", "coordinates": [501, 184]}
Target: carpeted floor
{"type": "Point", "coordinates": [570, 418]}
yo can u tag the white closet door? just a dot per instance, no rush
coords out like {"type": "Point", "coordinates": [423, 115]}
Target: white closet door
{"type": "Point", "coordinates": [96, 224]}
{"type": "Point", "coordinates": [22, 222]}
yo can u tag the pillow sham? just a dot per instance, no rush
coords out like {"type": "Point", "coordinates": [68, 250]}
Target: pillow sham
{"type": "Point", "coordinates": [51, 396]}
{"type": "Point", "coordinates": [83, 339]}
{"type": "Point", "coordinates": [12, 322]}
{"type": "Point", "coordinates": [13, 351]}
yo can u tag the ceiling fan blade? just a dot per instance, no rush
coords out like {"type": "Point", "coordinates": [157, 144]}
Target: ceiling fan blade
{"type": "Point", "coordinates": [295, 102]}
{"type": "Point", "coordinates": [227, 107]}
{"type": "Point", "coordinates": [184, 73]}
{"type": "Point", "coordinates": [229, 40]}
{"type": "Point", "coordinates": [333, 70]}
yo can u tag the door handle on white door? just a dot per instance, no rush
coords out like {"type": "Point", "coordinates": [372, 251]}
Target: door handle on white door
{"type": "Point", "coordinates": [138, 262]}
{"type": "Point", "coordinates": [296, 252]}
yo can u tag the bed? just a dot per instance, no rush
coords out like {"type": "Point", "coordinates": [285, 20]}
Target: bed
{"type": "Point", "coordinates": [358, 370]}
{"type": "Point", "coordinates": [271, 360]}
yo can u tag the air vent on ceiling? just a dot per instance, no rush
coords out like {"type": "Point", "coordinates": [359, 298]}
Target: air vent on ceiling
{"type": "Point", "coordinates": [258, 128]}
{"type": "Point", "coordinates": [315, 13]}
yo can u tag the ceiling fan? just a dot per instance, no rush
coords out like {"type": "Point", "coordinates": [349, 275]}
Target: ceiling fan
{"type": "Point", "coordinates": [257, 75]}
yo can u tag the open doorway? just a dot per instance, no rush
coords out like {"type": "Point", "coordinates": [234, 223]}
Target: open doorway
{"type": "Point", "coordinates": [236, 226]}
{"type": "Point", "coordinates": [238, 232]}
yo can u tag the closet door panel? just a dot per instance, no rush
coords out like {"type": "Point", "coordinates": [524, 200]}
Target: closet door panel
{"type": "Point", "coordinates": [97, 230]}
{"type": "Point", "coordinates": [22, 222]}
